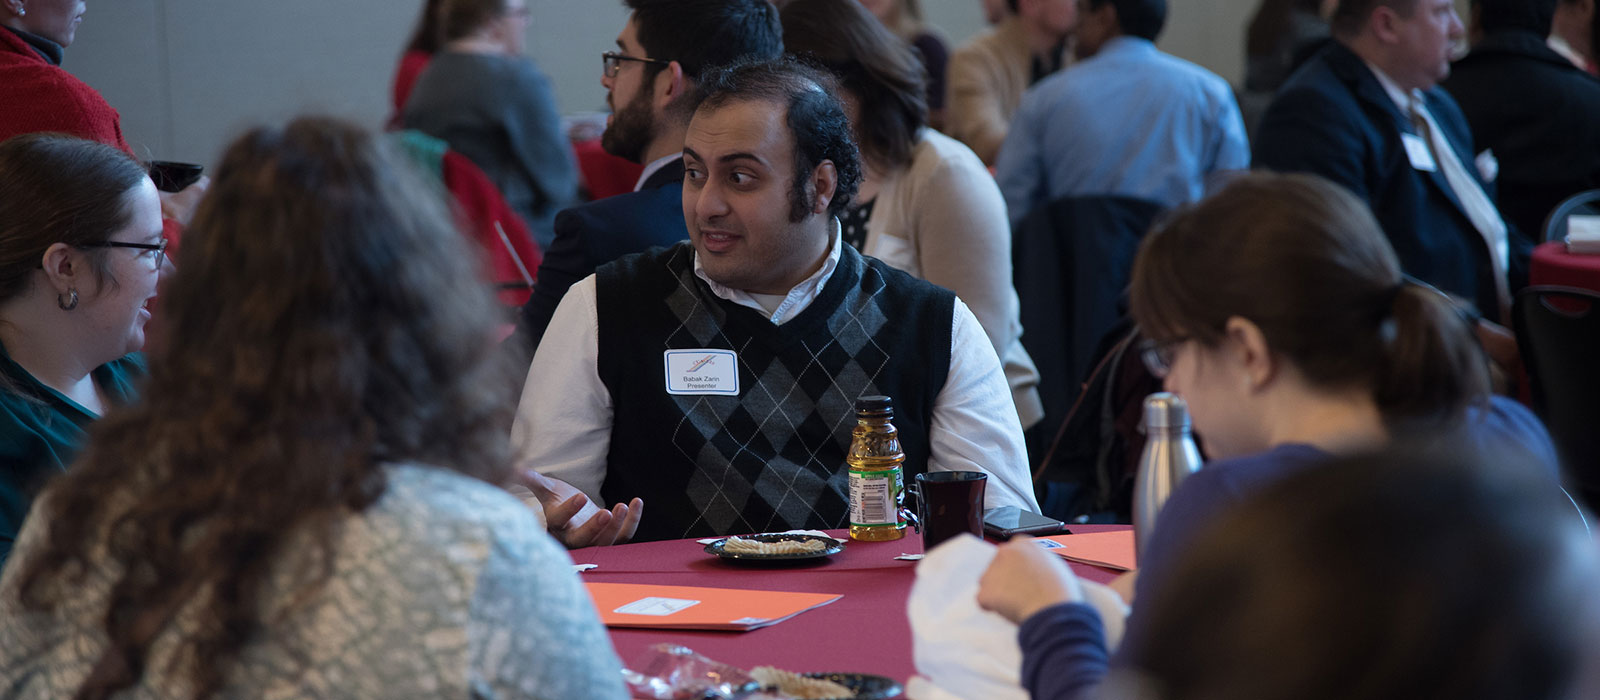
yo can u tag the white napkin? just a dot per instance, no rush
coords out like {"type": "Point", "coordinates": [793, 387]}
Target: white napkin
{"type": "Point", "coordinates": [963, 652]}
{"type": "Point", "coordinates": [1583, 234]}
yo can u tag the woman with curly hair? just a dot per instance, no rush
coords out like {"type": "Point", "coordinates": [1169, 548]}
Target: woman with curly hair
{"type": "Point", "coordinates": [304, 502]}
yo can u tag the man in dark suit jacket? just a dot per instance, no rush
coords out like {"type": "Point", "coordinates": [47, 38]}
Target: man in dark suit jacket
{"type": "Point", "coordinates": [651, 84]}
{"type": "Point", "coordinates": [1350, 115]}
{"type": "Point", "coordinates": [1536, 111]}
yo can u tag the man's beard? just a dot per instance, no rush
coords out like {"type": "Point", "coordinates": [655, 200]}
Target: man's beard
{"type": "Point", "coordinates": [632, 127]}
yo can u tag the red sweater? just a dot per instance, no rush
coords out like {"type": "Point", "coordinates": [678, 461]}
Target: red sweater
{"type": "Point", "coordinates": [37, 96]}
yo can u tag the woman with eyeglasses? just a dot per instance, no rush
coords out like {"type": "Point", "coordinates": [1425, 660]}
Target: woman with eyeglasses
{"type": "Point", "coordinates": [490, 103]}
{"type": "Point", "coordinates": [305, 501]}
{"type": "Point", "coordinates": [81, 253]}
{"type": "Point", "coordinates": [1277, 310]}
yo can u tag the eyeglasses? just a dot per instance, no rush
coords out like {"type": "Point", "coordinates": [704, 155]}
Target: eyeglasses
{"type": "Point", "coordinates": [612, 61]}
{"type": "Point", "coordinates": [160, 248]}
{"type": "Point", "coordinates": [1158, 357]}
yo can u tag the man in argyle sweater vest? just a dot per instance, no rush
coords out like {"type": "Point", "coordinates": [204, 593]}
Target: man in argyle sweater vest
{"type": "Point", "coordinates": [717, 378]}
{"type": "Point", "coordinates": [771, 457]}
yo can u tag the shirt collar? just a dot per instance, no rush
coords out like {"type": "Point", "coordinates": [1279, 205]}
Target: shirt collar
{"type": "Point", "coordinates": [47, 49]}
{"type": "Point", "coordinates": [1124, 44]}
{"type": "Point", "coordinates": [799, 297]}
{"type": "Point", "coordinates": [654, 166]}
{"type": "Point", "coordinates": [1401, 98]}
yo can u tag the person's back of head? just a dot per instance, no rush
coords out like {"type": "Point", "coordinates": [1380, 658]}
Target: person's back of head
{"type": "Point", "coordinates": [1137, 18]}
{"type": "Point", "coordinates": [1516, 15]}
{"type": "Point", "coordinates": [1396, 575]}
{"type": "Point", "coordinates": [459, 19]}
{"type": "Point", "coordinates": [704, 34]}
{"type": "Point", "coordinates": [877, 70]}
{"type": "Point", "coordinates": [328, 321]}
{"type": "Point", "coordinates": [1305, 261]}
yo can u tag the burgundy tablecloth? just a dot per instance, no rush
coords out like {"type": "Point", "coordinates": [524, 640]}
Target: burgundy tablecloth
{"type": "Point", "coordinates": [1552, 264]}
{"type": "Point", "coordinates": [866, 631]}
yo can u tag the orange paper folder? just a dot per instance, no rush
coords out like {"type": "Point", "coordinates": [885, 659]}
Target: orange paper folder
{"type": "Point", "coordinates": [693, 607]}
{"type": "Point", "coordinates": [1113, 550]}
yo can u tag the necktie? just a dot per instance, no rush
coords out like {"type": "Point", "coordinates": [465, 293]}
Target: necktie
{"type": "Point", "coordinates": [1474, 201]}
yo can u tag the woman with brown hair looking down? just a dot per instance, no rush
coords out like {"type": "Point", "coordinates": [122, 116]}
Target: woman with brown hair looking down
{"type": "Point", "coordinates": [304, 501]}
{"type": "Point", "coordinates": [1276, 309]}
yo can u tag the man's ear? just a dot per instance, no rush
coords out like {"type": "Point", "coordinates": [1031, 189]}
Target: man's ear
{"type": "Point", "coordinates": [671, 84]}
{"type": "Point", "coordinates": [824, 180]}
{"type": "Point", "coordinates": [1253, 354]}
{"type": "Point", "coordinates": [1385, 24]}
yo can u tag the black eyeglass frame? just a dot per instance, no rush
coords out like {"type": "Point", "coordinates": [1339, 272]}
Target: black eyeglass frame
{"type": "Point", "coordinates": [159, 248]}
{"type": "Point", "coordinates": [1158, 357]}
{"type": "Point", "coordinates": [611, 62]}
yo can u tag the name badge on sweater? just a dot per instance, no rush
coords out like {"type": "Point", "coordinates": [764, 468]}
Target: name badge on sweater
{"type": "Point", "coordinates": [1417, 151]}
{"type": "Point", "coordinates": [702, 372]}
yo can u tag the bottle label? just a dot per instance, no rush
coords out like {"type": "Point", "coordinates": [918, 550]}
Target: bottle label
{"type": "Point", "coordinates": [875, 497]}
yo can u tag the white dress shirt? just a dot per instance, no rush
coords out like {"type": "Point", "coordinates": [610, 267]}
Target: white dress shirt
{"type": "Point", "coordinates": [563, 424]}
{"type": "Point", "coordinates": [652, 167]}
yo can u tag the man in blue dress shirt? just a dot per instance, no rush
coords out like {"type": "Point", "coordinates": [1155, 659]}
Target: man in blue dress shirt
{"type": "Point", "coordinates": [1125, 120]}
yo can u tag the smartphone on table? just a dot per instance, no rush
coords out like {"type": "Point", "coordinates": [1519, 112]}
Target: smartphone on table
{"type": "Point", "coordinates": [1006, 522]}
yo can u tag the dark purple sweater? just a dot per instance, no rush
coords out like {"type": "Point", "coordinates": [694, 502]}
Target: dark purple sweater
{"type": "Point", "coordinates": [1064, 651]}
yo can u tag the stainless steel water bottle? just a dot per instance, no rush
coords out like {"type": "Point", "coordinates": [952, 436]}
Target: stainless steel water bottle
{"type": "Point", "coordinates": [1169, 456]}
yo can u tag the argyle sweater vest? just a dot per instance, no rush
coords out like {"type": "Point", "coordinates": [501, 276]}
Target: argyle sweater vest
{"type": "Point", "coordinates": [772, 457]}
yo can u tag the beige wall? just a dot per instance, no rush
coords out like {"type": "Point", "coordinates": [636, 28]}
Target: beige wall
{"type": "Point", "coordinates": [188, 74]}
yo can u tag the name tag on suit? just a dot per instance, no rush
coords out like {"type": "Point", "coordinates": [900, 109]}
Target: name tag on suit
{"type": "Point", "coordinates": [1418, 152]}
{"type": "Point", "coordinates": [704, 372]}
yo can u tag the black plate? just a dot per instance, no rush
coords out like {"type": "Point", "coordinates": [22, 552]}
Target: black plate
{"type": "Point", "coordinates": [833, 547]}
{"type": "Point", "coordinates": [866, 686]}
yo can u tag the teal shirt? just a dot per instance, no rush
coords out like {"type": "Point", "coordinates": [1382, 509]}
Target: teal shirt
{"type": "Point", "coordinates": [41, 432]}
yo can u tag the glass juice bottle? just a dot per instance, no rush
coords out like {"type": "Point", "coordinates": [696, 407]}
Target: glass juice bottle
{"type": "Point", "coordinates": [877, 473]}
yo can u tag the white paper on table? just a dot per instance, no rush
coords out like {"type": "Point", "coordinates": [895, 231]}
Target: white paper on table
{"type": "Point", "coordinates": [963, 652]}
{"type": "Point", "coordinates": [1583, 234]}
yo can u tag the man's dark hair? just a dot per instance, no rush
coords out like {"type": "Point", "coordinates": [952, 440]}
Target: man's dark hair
{"type": "Point", "coordinates": [1508, 15]}
{"type": "Point", "coordinates": [816, 120]}
{"type": "Point", "coordinates": [702, 34]}
{"type": "Point", "coordinates": [1349, 16]}
{"type": "Point", "coordinates": [1140, 18]}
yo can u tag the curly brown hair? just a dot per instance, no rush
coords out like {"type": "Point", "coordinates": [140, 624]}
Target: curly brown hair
{"type": "Point", "coordinates": [328, 320]}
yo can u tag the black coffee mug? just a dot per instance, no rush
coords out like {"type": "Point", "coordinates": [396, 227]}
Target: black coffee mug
{"type": "Point", "coordinates": [172, 176]}
{"type": "Point", "coordinates": [948, 504]}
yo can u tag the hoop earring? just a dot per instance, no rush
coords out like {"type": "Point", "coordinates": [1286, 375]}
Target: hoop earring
{"type": "Point", "coordinates": [71, 302]}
